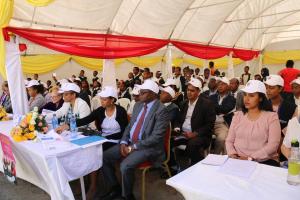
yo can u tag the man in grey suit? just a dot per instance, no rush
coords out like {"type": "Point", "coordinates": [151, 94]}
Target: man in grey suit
{"type": "Point", "coordinates": [143, 140]}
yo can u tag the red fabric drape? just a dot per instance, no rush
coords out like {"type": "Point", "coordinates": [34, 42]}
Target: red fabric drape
{"type": "Point", "coordinates": [108, 46]}
{"type": "Point", "coordinates": [244, 54]}
{"type": "Point", "coordinates": [202, 51]}
{"type": "Point", "coordinates": [91, 45]}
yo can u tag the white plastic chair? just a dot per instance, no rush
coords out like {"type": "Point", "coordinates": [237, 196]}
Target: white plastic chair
{"type": "Point", "coordinates": [95, 103]}
{"type": "Point", "coordinates": [124, 102]}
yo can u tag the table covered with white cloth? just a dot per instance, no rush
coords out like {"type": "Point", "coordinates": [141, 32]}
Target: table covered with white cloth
{"type": "Point", "coordinates": [51, 170]}
{"type": "Point", "coordinates": [207, 182]}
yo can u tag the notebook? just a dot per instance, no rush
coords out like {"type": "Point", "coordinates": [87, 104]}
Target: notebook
{"type": "Point", "coordinates": [88, 141]}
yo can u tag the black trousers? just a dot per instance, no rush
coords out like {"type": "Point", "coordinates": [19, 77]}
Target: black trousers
{"type": "Point", "coordinates": [194, 147]}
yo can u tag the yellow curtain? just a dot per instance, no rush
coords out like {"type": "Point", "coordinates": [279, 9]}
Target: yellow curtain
{"type": "Point", "coordinates": [280, 57]}
{"type": "Point", "coordinates": [6, 12]}
{"type": "Point", "coordinates": [93, 63]}
{"type": "Point", "coordinates": [43, 63]}
{"type": "Point", "coordinates": [177, 61]}
{"type": "Point", "coordinates": [219, 63]}
{"type": "Point", "coordinates": [39, 3]}
{"type": "Point", "coordinates": [145, 61]}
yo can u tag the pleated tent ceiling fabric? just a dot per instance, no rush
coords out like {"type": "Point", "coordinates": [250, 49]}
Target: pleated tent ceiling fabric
{"type": "Point", "coordinates": [244, 24]}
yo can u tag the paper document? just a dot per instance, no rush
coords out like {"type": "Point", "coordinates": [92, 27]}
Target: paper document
{"type": "Point", "coordinates": [214, 159]}
{"type": "Point", "coordinates": [240, 168]}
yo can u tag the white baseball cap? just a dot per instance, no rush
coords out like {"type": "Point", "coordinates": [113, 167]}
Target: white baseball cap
{"type": "Point", "coordinates": [169, 90]}
{"type": "Point", "coordinates": [108, 91]}
{"type": "Point", "coordinates": [32, 83]}
{"type": "Point", "coordinates": [136, 89]}
{"type": "Point", "coordinates": [170, 81]}
{"type": "Point", "coordinates": [66, 87]}
{"type": "Point", "coordinates": [297, 81]}
{"type": "Point", "coordinates": [26, 82]}
{"type": "Point", "coordinates": [274, 80]}
{"type": "Point", "coordinates": [224, 80]}
{"type": "Point", "coordinates": [196, 83]}
{"type": "Point", "coordinates": [150, 85]}
{"type": "Point", "coordinates": [254, 86]}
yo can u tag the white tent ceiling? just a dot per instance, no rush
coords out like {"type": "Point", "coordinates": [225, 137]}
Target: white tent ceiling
{"type": "Point", "coordinates": [248, 24]}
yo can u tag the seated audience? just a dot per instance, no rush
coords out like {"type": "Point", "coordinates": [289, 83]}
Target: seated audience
{"type": "Point", "coordinates": [257, 77]}
{"type": "Point", "coordinates": [72, 100]}
{"type": "Point", "coordinates": [179, 79]}
{"type": "Point", "coordinates": [5, 101]}
{"type": "Point", "coordinates": [195, 122]}
{"type": "Point", "coordinates": [178, 95]}
{"type": "Point", "coordinates": [285, 109]}
{"type": "Point", "coordinates": [224, 105]}
{"type": "Point", "coordinates": [166, 96]}
{"type": "Point", "coordinates": [292, 133]}
{"type": "Point", "coordinates": [158, 78]}
{"type": "Point", "coordinates": [136, 98]}
{"type": "Point", "coordinates": [236, 93]}
{"type": "Point", "coordinates": [56, 100]}
{"type": "Point", "coordinates": [143, 140]}
{"type": "Point", "coordinates": [264, 73]}
{"type": "Point", "coordinates": [35, 91]}
{"type": "Point", "coordinates": [246, 76]}
{"type": "Point", "coordinates": [254, 133]}
{"type": "Point", "coordinates": [212, 87]}
{"type": "Point", "coordinates": [124, 90]}
{"type": "Point", "coordinates": [96, 88]}
{"type": "Point", "coordinates": [296, 94]}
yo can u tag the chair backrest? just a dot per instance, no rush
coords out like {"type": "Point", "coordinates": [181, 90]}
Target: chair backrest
{"type": "Point", "coordinates": [124, 102]}
{"type": "Point", "coordinates": [95, 103]}
{"type": "Point", "coordinates": [167, 143]}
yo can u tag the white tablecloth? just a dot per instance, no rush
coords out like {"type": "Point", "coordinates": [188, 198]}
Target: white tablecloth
{"type": "Point", "coordinates": [52, 170]}
{"type": "Point", "coordinates": [206, 182]}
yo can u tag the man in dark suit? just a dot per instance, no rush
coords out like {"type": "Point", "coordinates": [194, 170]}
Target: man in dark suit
{"type": "Point", "coordinates": [224, 105]}
{"type": "Point", "coordinates": [143, 140]}
{"type": "Point", "coordinates": [195, 122]}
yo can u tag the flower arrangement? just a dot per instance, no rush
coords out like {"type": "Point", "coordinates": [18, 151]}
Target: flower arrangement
{"type": "Point", "coordinates": [29, 126]}
{"type": "Point", "coordinates": [3, 114]}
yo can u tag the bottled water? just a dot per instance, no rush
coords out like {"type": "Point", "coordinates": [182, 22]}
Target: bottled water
{"type": "Point", "coordinates": [293, 177]}
{"type": "Point", "coordinates": [73, 126]}
{"type": "Point", "coordinates": [54, 121]}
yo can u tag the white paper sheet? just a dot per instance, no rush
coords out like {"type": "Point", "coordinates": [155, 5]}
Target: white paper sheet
{"type": "Point", "coordinates": [240, 168]}
{"type": "Point", "coordinates": [214, 159]}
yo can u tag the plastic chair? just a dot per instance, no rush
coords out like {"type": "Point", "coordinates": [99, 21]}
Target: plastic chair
{"type": "Point", "coordinates": [124, 102]}
{"type": "Point", "coordinates": [145, 166]}
{"type": "Point", "coordinates": [95, 103]}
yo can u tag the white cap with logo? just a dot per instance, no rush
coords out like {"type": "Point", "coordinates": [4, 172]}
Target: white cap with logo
{"type": "Point", "coordinates": [136, 89]}
{"type": "Point", "coordinates": [108, 91]}
{"type": "Point", "coordinates": [150, 85]}
{"type": "Point", "coordinates": [254, 86]}
{"type": "Point", "coordinates": [297, 81]}
{"type": "Point", "coordinates": [67, 87]}
{"type": "Point", "coordinates": [196, 83]}
{"type": "Point", "coordinates": [274, 80]}
{"type": "Point", "coordinates": [32, 83]}
{"type": "Point", "coordinates": [224, 80]}
{"type": "Point", "coordinates": [169, 90]}
{"type": "Point", "coordinates": [169, 81]}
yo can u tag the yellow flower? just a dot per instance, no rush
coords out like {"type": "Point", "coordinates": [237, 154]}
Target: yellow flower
{"type": "Point", "coordinates": [19, 138]}
{"type": "Point", "coordinates": [31, 127]}
{"type": "Point", "coordinates": [30, 135]}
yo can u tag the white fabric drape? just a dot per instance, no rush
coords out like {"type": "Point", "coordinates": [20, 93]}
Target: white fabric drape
{"type": "Point", "coordinates": [260, 63]}
{"type": "Point", "coordinates": [168, 68]}
{"type": "Point", "coordinates": [109, 73]}
{"type": "Point", "coordinates": [230, 72]}
{"type": "Point", "coordinates": [15, 79]}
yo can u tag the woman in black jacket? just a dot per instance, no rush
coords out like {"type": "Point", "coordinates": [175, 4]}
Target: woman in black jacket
{"type": "Point", "coordinates": [110, 119]}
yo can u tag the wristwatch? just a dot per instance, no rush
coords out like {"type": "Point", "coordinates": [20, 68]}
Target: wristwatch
{"type": "Point", "coordinates": [129, 149]}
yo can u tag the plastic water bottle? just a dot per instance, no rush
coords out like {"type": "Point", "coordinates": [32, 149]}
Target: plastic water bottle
{"type": "Point", "coordinates": [69, 115]}
{"type": "Point", "coordinates": [54, 121]}
{"type": "Point", "coordinates": [73, 126]}
{"type": "Point", "coordinates": [62, 121]}
{"type": "Point", "coordinates": [293, 177]}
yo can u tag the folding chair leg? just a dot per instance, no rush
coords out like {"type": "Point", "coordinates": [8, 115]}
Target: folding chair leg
{"type": "Point", "coordinates": [144, 183]}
